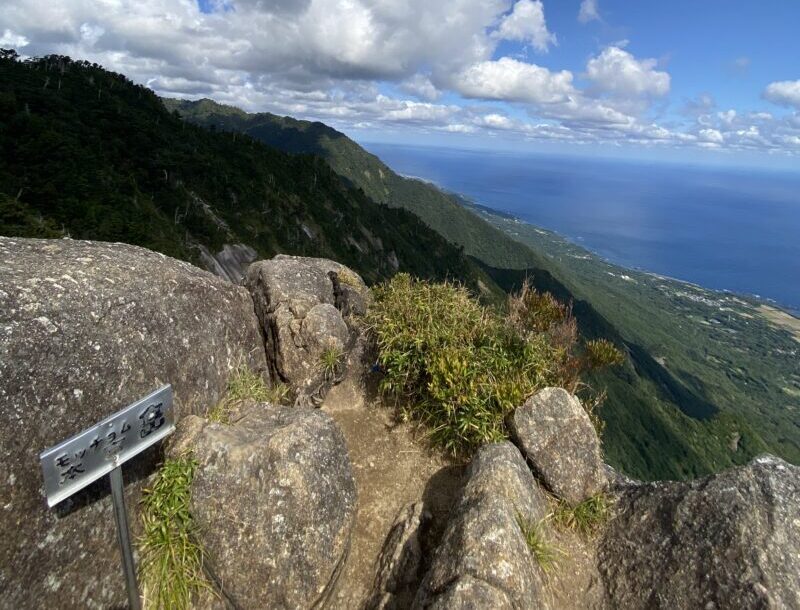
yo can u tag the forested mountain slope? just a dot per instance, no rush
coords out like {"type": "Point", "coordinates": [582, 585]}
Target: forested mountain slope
{"type": "Point", "coordinates": [86, 153]}
{"type": "Point", "coordinates": [729, 363]}
{"type": "Point", "coordinates": [441, 211]}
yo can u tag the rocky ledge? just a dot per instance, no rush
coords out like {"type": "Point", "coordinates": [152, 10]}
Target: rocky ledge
{"type": "Point", "coordinates": [86, 328]}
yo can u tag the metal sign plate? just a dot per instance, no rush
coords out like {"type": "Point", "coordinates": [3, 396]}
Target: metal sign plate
{"type": "Point", "coordinates": [76, 462]}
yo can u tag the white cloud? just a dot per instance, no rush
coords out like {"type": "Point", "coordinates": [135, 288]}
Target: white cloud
{"type": "Point", "coordinates": [421, 86]}
{"type": "Point", "coordinates": [460, 128]}
{"type": "Point", "coordinates": [498, 121]}
{"type": "Point", "coordinates": [513, 80]}
{"type": "Point", "coordinates": [588, 11]}
{"type": "Point", "coordinates": [12, 40]}
{"type": "Point", "coordinates": [785, 93]}
{"type": "Point", "coordinates": [617, 72]}
{"type": "Point", "coordinates": [91, 33]}
{"type": "Point", "coordinates": [298, 40]}
{"type": "Point", "coordinates": [408, 111]}
{"type": "Point", "coordinates": [526, 23]}
{"type": "Point", "coordinates": [335, 61]}
{"type": "Point", "coordinates": [713, 136]}
{"type": "Point", "coordinates": [727, 116]}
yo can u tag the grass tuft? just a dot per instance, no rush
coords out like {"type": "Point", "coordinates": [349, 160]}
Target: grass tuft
{"type": "Point", "coordinates": [587, 517]}
{"type": "Point", "coordinates": [546, 554]}
{"type": "Point", "coordinates": [601, 353]}
{"type": "Point", "coordinates": [331, 360]}
{"type": "Point", "coordinates": [245, 384]}
{"type": "Point", "coordinates": [171, 569]}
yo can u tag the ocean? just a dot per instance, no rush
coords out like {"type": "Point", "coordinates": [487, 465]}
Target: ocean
{"type": "Point", "coordinates": [722, 228]}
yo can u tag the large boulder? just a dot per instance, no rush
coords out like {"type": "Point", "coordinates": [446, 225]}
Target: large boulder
{"type": "Point", "coordinates": [274, 500]}
{"type": "Point", "coordinates": [85, 329]}
{"type": "Point", "coordinates": [730, 540]}
{"type": "Point", "coordinates": [307, 306]}
{"type": "Point", "coordinates": [483, 560]}
{"type": "Point", "coordinates": [556, 435]}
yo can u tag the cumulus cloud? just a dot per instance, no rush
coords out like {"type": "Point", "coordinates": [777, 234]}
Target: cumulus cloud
{"type": "Point", "coordinates": [513, 80]}
{"type": "Point", "coordinates": [497, 121]}
{"type": "Point", "coordinates": [750, 131]}
{"type": "Point", "coordinates": [618, 72]}
{"type": "Point", "coordinates": [420, 85]}
{"type": "Point", "coordinates": [389, 63]}
{"type": "Point", "coordinates": [526, 23]}
{"type": "Point", "coordinates": [12, 40]}
{"type": "Point", "coordinates": [784, 93]}
{"type": "Point", "coordinates": [588, 11]}
{"type": "Point", "coordinates": [713, 136]}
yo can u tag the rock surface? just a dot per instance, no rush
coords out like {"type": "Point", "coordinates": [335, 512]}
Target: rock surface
{"type": "Point", "coordinates": [306, 306]}
{"type": "Point", "coordinates": [274, 500]}
{"type": "Point", "coordinates": [731, 540]}
{"type": "Point", "coordinates": [400, 560]}
{"type": "Point", "coordinates": [230, 263]}
{"type": "Point", "coordinates": [85, 329]}
{"type": "Point", "coordinates": [556, 435]}
{"type": "Point", "coordinates": [483, 560]}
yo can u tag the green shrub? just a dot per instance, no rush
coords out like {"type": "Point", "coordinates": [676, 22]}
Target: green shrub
{"type": "Point", "coordinates": [530, 311]}
{"type": "Point", "coordinates": [347, 277]}
{"type": "Point", "coordinates": [171, 569]}
{"type": "Point", "coordinates": [460, 367]}
{"type": "Point", "coordinates": [587, 517]}
{"type": "Point", "coordinates": [601, 353]}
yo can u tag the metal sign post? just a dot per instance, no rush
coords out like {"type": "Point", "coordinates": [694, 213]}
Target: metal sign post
{"type": "Point", "coordinates": [102, 449]}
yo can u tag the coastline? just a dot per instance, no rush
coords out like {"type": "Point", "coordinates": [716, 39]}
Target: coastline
{"type": "Point", "coordinates": [480, 209]}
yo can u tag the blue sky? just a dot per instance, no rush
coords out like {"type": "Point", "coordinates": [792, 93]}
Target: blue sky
{"type": "Point", "coordinates": [698, 42]}
{"type": "Point", "coordinates": [706, 80]}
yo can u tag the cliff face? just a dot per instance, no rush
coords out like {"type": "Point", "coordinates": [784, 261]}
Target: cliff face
{"type": "Point", "coordinates": [286, 495]}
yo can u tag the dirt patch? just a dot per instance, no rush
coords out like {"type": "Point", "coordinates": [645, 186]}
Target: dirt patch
{"type": "Point", "coordinates": [393, 467]}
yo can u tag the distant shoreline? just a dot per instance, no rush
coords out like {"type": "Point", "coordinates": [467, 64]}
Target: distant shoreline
{"type": "Point", "coordinates": [468, 202]}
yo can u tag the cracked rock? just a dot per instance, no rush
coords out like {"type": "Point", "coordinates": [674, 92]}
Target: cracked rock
{"type": "Point", "coordinates": [307, 306]}
{"type": "Point", "coordinates": [556, 435]}
{"type": "Point", "coordinates": [483, 560]}
{"type": "Point", "coordinates": [730, 540]}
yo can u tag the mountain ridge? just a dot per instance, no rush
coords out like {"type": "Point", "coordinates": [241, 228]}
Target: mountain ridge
{"type": "Point", "coordinates": [93, 155]}
{"type": "Point", "coordinates": [442, 211]}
